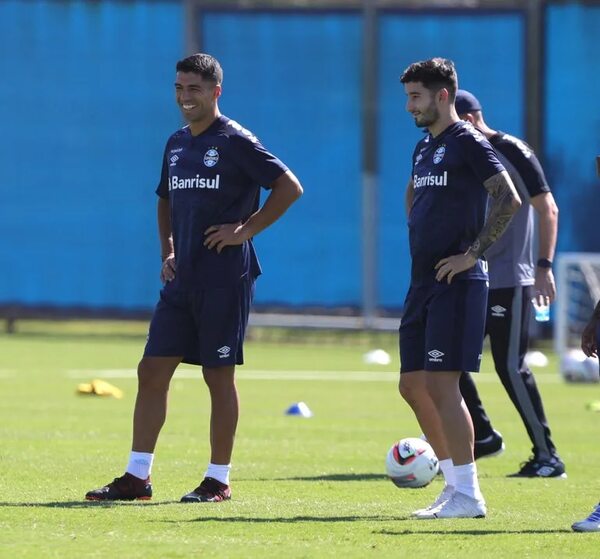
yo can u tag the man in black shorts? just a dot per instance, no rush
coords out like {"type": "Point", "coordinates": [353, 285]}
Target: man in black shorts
{"type": "Point", "coordinates": [208, 213]}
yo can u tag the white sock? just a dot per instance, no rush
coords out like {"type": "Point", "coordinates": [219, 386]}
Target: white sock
{"type": "Point", "coordinates": [140, 464]}
{"type": "Point", "coordinates": [467, 482]}
{"type": "Point", "coordinates": [447, 468]}
{"type": "Point", "coordinates": [220, 472]}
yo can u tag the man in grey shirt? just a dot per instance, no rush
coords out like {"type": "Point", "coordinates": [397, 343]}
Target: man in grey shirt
{"type": "Point", "coordinates": [514, 283]}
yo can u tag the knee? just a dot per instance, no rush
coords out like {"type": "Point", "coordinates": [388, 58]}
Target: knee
{"type": "Point", "coordinates": [412, 392]}
{"type": "Point", "coordinates": [151, 377]}
{"type": "Point", "coordinates": [219, 378]}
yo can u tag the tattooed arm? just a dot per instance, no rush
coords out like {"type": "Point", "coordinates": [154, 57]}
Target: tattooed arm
{"type": "Point", "coordinates": [504, 202]}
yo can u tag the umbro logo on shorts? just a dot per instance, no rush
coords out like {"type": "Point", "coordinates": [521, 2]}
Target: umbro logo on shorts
{"type": "Point", "coordinates": [224, 351]}
{"type": "Point", "coordinates": [498, 311]}
{"type": "Point", "coordinates": [435, 355]}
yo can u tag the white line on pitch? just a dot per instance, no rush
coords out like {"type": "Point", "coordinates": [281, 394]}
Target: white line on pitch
{"type": "Point", "coordinates": [254, 374]}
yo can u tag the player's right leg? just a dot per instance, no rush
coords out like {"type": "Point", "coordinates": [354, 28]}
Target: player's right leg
{"type": "Point", "coordinates": [154, 376]}
{"type": "Point", "coordinates": [413, 386]}
{"type": "Point", "coordinates": [171, 332]}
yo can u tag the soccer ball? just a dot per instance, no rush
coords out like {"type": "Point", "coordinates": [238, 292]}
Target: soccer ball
{"type": "Point", "coordinates": [575, 366]}
{"type": "Point", "coordinates": [411, 462]}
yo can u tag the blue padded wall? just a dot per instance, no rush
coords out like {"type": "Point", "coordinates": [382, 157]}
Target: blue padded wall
{"type": "Point", "coordinates": [488, 52]}
{"type": "Point", "coordinates": [572, 121]}
{"type": "Point", "coordinates": [86, 104]}
{"type": "Point", "coordinates": [294, 80]}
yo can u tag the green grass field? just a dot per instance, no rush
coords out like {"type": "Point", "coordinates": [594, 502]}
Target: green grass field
{"type": "Point", "coordinates": [302, 487]}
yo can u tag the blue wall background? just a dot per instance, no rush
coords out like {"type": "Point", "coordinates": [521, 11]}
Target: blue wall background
{"type": "Point", "coordinates": [572, 122]}
{"type": "Point", "coordinates": [294, 80]}
{"type": "Point", "coordinates": [86, 104]}
{"type": "Point", "coordinates": [487, 49]}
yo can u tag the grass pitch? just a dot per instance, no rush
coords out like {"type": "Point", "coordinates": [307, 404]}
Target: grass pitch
{"type": "Point", "coordinates": [301, 487]}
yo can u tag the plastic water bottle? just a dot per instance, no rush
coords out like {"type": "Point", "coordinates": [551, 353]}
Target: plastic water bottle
{"type": "Point", "coordinates": [542, 312]}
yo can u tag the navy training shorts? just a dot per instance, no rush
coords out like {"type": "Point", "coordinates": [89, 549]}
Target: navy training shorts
{"type": "Point", "coordinates": [443, 326]}
{"type": "Point", "coordinates": [206, 327]}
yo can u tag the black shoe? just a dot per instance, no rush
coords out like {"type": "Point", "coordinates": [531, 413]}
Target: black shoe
{"type": "Point", "coordinates": [492, 446]}
{"type": "Point", "coordinates": [535, 467]}
{"type": "Point", "coordinates": [124, 488]}
{"type": "Point", "coordinates": [209, 491]}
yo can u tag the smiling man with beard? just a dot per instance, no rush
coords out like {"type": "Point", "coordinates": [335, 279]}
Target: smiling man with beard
{"type": "Point", "coordinates": [208, 213]}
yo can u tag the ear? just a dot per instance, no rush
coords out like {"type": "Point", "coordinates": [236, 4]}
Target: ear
{"type": "Point", "coordinates": [217, 92]}
{"type": "Point", "coordinates": [443, 95]}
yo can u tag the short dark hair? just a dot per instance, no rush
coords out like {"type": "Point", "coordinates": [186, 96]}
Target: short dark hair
{"type": "Point", "coordinates": [204, 64]}
{"type": "Point", "coordinates": [434, 74]}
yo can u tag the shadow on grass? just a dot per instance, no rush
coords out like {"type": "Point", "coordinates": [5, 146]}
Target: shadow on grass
{"type": "Point", "coordinates": [291, 519]}
{"type": "Point", "coordinates": [87, 504]}
{"type": "Point", "coordinates": [333, 519]}
{"type": "Point", "coordinates": [481, 532]}
{"type": "Point", "coordinates": [335, 477]}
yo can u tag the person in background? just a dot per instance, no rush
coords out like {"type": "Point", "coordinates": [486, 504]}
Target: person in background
{"type": "Point", "coordinates": [514, 282]}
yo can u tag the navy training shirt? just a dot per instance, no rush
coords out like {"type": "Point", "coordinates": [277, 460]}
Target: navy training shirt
{"type": "Point", "coordinates": [210, 179]}
{"type": "Point", "coordinates": [510, 258]}
{"type": "Point", "coordinates": [449, 203]}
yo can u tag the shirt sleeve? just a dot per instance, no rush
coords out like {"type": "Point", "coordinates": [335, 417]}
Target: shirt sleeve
{"type": "Point", "coordinates": [481, 156]}
{"type": "Point", "coordinates": [258, 163]}
{"type": "Point", "coordinates": [525, 162]}
{"type": "Point", "coordinates": [163, 186]}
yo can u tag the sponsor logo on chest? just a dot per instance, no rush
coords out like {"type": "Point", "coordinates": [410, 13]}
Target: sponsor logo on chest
{"type": "Point", "coordinates": [430, 180]}
{"type": "Point", "coordinates": [175, 183]}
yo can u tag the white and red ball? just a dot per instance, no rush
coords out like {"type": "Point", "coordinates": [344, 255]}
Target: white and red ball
{"type": "Point", "coordinates": [411, 462]}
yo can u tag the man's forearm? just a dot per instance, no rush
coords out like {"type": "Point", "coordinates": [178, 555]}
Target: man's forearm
{"type": "Point", "coordinates": [164, 228]}
{"type": "Point", "coordinates": [504, 202]}
{"type": "Point", "coordinates": [547, 212]}
{"type": "Point", "coordinates": [284, 192]}
{"type": "Point", "coordinates": [409, 196]}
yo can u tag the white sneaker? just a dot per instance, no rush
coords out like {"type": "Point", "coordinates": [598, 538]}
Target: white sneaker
{"type": "Point", "coordinates": [590, 524]}
{"type": "Point", "coordinates": [442, 498]}
{"type": "Point", "coordinates": [458, 505]}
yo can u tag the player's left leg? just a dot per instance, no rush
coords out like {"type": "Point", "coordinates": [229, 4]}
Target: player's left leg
{"type": "Point", "coordinates": [222, 318]}
{"type": "Point", "coordinates": [466, 501]}
{"type": "Point", "coordinates": [454, 340]}
{"type": "Point", "coordinates": [224, 411]}
{"type": "Point", "coordinates": [224, 416]}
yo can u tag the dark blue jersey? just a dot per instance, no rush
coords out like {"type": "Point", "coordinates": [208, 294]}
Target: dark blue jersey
{"type": "Point", "coordinates": [449, 203]}
{"type": "Point", "coordinates": [210, 179]}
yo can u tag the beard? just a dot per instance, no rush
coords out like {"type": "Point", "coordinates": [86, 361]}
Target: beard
{"type": "Point", "coordinates": [427, 117]}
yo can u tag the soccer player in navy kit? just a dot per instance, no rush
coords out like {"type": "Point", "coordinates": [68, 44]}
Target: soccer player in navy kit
{"type": "Point", "coordinates": [514, 282]}
{"type": "Point", "coordinates": [441, 334]}
{"type": "Point", "coordinates": [208, 212]}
